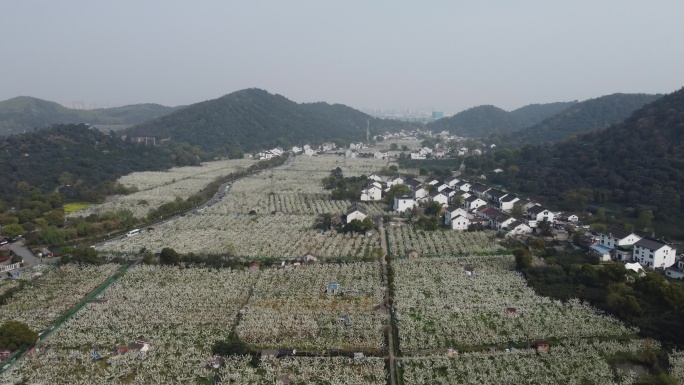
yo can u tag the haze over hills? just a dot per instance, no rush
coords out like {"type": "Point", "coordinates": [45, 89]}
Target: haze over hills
{"type": "Point", "coordinates": [581, 117]}
{"type": "Point", "coordinates": [24, 113]}
{"type": "Point", "coordinates": [484, 120]}
{"type": "Point", "coordinates": [253, 119]}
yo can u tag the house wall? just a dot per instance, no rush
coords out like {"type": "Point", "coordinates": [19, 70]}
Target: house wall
{"type": "Point", "coordinates": [661, 258]}
{"type": "Point", "coordinates": [402, 205]}
{"type": "Point", "coordinates": [356, 215]}
{"type": "Point", "coordinates": [460, 223]}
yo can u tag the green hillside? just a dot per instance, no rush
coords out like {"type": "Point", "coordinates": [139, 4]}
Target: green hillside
{"type": "Point", "coordinates": [636, 167]}
{"type": "Point", "coordinates": [254, 119]}
{"type": "Point", "coordinates": [24, 114]}
{"type": "Point", "coordinates": [485, 120]}
{"type": "Point", "coordinates": [581, 117]}
{"type": "Point", "coordinates": [75, 155]}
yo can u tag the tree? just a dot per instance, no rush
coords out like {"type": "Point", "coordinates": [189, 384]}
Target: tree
{"type": "Point", "coordinates": [517, 211]}
{"type": "Point", "coordinates": [396, 191]}
{"type": "Point", "coordinates": [523, 258]}
{"type": "Point", "coordinates": [433, 209]}
{"type": "Point", "coordinates": [13, 230]}
{"type": "Point", "coordinates": [168, 256]}
{"type": "Point", "coordinates": [81, 256]}
{"type": "Point", "coordinates": [394, 147]}
{"type": "Point", "coordinates": [15, 335]}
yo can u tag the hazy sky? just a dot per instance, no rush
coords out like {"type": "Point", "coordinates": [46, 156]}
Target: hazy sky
{"type": "Point", "coordinates": [446, 55]}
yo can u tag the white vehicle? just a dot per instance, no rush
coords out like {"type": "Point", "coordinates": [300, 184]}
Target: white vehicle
{"type": "Point", "coordinates": [133, 232]}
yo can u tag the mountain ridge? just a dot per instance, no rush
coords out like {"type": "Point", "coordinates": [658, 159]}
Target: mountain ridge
{"type": "Point", "coordinates": [27, 113]}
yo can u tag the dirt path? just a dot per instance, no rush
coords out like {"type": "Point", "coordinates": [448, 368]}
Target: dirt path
{"type": "Point", "coordinates": [388, 296]}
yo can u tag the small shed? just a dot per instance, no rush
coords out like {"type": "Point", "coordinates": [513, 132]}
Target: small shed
{"type": "Point", "coordinates": [358, 355]}
{"type": "Point", "coordinates": [469, 270]}
{"type": "Point", "coordinates": [452, 353]}
{"type": "Point", "coordinates": [310, 258]}
{"type": "Point", "coordinates": [254, 267]}
{"type": "Point", "coordinates": [333, 288]}
{"type": "Point", "coordinates": [542, 346]}
{"type": "Point", "coordinates": [413, 254]}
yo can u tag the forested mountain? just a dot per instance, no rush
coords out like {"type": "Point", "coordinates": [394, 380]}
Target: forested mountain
{"type": "Point", "coordinates": [83, 158]}
{"type": "Point", "coordinates": [484, 120]}
{"type": "Point", "coordinates": [638, 164]}
{"type": "Point", "coordinates": [581, 117]}
{"type": "Point", "coordinates": [254, 119]}
{"type": "Point", "coordinates": [24, 114]}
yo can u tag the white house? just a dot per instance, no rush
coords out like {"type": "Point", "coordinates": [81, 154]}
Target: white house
{"type": "Point", "coordinates": [676, 271]}
{"type": "Point", "coordinates": [439, 197]}
{"type": "Point", "coordinates": [296, 149]}
{"type": "Point", "coordinates": [453, 212]}
{"type": "Point", "coordinates": [653, 254]}
{"type": "Point", "coordinates": [351, 154]}
{"type": "Point", "coordinates": [459, 222]}
{"type": "Point", "coordinates": [506, 203]}
{"type": "Point", "coordinates": [573, 218]}
{"type": "Point", "coordinates": [420, 193]}
{"type": "Point", "coordinates": [372, 192]}
{"type": "Point", "coordinates": [451, 182]}
{"type": "Point", "coordinates": [416, 155]}
{"type": "Point", "coordinates": [357, 212]}
{"type": "Point", "coordinates": [380, 155]}
{"type": "Point", "coordinates": [473, 202]}
{"type": "Point", "coordinates": [620, 242]}
{"type": "Point", "coordinates": [539, 213]}
{"type": "Point", "coordinates": [375, 177]}
{"type": "Point", "coordinates": [309, 151]}
{"type": "Point", "coordinates": [403, 203]}
{"type": "Point", "coordinates": [518, 228]}
{"type": "Point", "coordinates": [395, 180]}
{"type": "Point", "coordinates": [463, 186]}
{"type": "Point", "coordinates": [477, 152]}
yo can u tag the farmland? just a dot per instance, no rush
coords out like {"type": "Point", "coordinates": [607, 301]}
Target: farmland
{"type": "Point", "coordinates": [269, 215]}
{"type": "Point", "coordinates": [459, 302]}
{"type": "Point", "coordinates": [155, 188]}
{"type": "Point", "coordinates": [54, 292]}
{"type": "Point", "coordinates": [460, 294]}
{"type": "Point", "coordinates": [295, 309]}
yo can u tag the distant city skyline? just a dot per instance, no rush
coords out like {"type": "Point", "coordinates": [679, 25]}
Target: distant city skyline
{"type": "Point", "coordinates": [442, 55]}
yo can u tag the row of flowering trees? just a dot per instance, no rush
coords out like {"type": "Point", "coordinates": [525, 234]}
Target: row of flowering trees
{"type": "Point", "coordinates": [316, 307]}
{"type": "Point", "coordinates": [449, 302]}
{"type": "Point", "coordinates": [404, 239]}
{"type": "Point", "coordinates": [576, 361]}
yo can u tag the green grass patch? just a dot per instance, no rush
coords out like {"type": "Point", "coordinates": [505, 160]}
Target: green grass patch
{"type": "Point", "coordinates": [71, 207]}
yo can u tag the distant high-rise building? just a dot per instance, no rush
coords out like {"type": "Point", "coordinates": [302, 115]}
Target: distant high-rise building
{"type": "Point", "coordinates": [437, 114]}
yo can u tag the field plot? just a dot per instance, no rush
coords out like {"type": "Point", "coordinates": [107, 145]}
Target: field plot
{"type": "Point", "coordinates": [305, 370]}
{"type": "Point", "coordinates": [677, 365]}
{"type": "Point", "coordinates": [45, 299]}
{"type": "Point", "coordinates": [179, 312]}
{"type": "Point", "coordinates": [578, 362]}
{"type": "Point", "coordinates": [458, 302]}
{"type": "Point", "coordinates": [269, 215]}
{"type": "Point", "coordinates": [316, 307]}
{"type": "Point", "coordinates": [159, 187]}
{"type": "Point", "coordinates": [404, 239]}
